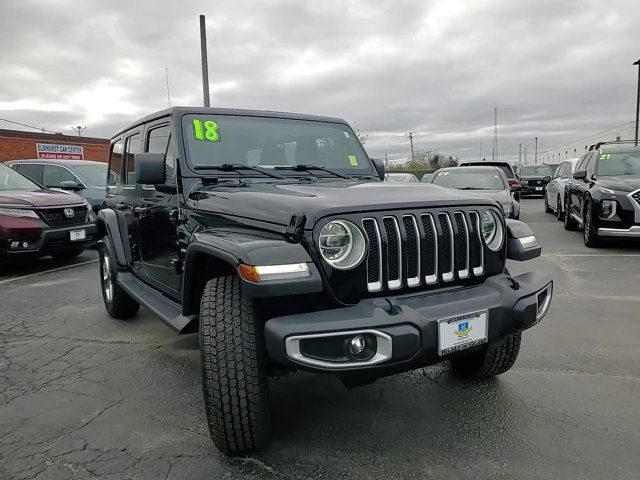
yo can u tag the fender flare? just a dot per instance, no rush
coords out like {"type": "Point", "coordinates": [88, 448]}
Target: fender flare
{"type": "Point", "coordinates": [112, 223]}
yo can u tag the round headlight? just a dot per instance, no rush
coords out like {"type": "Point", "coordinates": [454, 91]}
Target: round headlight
{"type": "Point", "coordinates": [492, 230]}
{"type": "Point", "coordinates": [342, 244]}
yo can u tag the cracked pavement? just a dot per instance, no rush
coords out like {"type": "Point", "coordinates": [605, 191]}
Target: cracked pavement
{"type": "Point", "coordinates": [86, 396]}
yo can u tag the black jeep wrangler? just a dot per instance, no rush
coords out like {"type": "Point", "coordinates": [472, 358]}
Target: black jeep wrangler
{"type": "Point", "coordinates": [274, 237]}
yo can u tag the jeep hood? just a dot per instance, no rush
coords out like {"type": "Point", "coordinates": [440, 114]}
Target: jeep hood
{"type": "Point", "coordinates": [38, 198]}
{"type": "Point", "coordinates": [278, 202]}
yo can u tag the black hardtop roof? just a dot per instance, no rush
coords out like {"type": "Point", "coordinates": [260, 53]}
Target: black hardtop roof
{"type": "Point", "coordinates": [613, 148]}
{"type": "Point", "coordinates": [226, 111]}
{"type": "Point", "coordinates": [474, 168]}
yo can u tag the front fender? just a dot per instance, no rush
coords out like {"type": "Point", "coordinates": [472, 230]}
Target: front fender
{"type": "Point", "coordinates": [215, 253]}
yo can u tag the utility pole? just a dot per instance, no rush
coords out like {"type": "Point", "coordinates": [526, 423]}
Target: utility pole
{"type": "Point", "coordinates": [386, 160]}
{"type": "Point", "coordinates": [637, 102]}
{"type": "Point", "coordinates": [166, 72]}
{"type": "Point", "coordinates": [78, 129]}
{"type": "Point", "coordinates": [535, 157]}
{"type": "Point", "coordinates": [519, 154]}
{"type": "Point", "coordinates": [205, 63]}
{"type": "Point", "coordinates": [410, 135]}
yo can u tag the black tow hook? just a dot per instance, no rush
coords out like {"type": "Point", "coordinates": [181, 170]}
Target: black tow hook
{"type": "Point", "coordinates": [514, 283]}
{"type": "Point", "coordinates": [390, 305]}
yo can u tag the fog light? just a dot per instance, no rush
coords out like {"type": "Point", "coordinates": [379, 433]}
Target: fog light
{"type": "Point", "coordinates": [357, 345]}
{"type": "Point", "coordinates": [608, 208]}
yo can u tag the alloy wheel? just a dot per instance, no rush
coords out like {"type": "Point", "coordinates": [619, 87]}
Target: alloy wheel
{"type": "Point", "coordinates": [107, 282]}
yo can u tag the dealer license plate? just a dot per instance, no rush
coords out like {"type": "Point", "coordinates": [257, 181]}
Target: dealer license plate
{"type": "Point", "coordinates": [462, 331]}
{"type": "Point", "coordinates": [77, 235]}
{"type": "Point", "coordinates": [538, 188]}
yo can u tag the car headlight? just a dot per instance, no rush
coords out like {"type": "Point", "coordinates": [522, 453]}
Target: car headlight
{"type": "Point", "coordinates": [506, 208]}
{"type": "Point", "coordinates": [608, 208]}
{"type": "Point", "coordinates": [342, 244]}
{"type": "Point", "coordinates": [492, 230]}
{"type": "Point", "coordinates": [18, 212]}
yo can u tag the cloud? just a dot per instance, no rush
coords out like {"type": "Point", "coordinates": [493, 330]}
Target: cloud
{"type": "Point", "coordinates": [556, 70]}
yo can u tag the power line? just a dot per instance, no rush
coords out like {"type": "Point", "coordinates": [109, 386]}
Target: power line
{"type": "Point", "coordinates": [42, 129]}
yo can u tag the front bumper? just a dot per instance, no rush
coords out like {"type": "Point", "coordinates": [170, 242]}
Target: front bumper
{"type": "Point", "coordinates": [406, 327]}
{"type": "Point", "coordinates": [50, 240]}
{"type": "Point", "coordinates": [631, 232]}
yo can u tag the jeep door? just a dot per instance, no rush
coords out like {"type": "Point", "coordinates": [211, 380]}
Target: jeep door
{"type": "Point", "coordinates": [157, 216]}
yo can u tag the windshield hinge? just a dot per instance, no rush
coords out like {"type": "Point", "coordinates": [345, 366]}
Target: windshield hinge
{"type": "Point", "coordinates": [295, 229]}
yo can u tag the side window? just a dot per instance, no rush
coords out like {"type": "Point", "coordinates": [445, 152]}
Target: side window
{"type": "Point", "coordinates": [133, 145]}
{"type": "Point", "coordinates": [53, 176]}
{"type": "Point", "coordinates": [582, 164]}
{"type": "Point", "coordinates": [561, 171]}
{"type": "Point", "coordinates": [30, 170]}
{"type": "Point", "coordinates": [590, 165]}
{"type": "Point", "coordinates": [170, 161]}
{"type": "Point", "coordinates": [115, 164]}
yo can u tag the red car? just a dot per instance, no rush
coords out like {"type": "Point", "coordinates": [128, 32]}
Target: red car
{"type": "Point", "coordinates": [35, 222]}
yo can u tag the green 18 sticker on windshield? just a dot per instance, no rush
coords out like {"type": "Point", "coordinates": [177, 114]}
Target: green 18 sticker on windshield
{"type": "Point", "coordinates": [205, 131]}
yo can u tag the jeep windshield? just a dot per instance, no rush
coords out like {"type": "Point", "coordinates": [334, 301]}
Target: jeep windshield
{"type": "Point", "coordinates": [619, 163]}
{"type": "Point", "coordinates": [289, 146]}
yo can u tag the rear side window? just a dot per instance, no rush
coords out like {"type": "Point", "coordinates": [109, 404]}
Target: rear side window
{"type": "Point", "coordinates": [115, 164]}
{"type": "Point", "coordinates": [133, 145]}
{"type": "Point", "coordinates": [507, 171]}
{"type": "Point", "coordinates": [53, 176]}
{"type": "Point", "coordinates": [30, 170]}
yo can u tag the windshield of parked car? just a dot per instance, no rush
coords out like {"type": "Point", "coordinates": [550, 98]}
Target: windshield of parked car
{"type": "Point", "coordinates": [214, 140]}
{"type": "Point", "coordinates": [619, 163]}
{"type": "Point", "coordinates": [541, 170]}
{"type": "Point", "coordinates": [95, 174]}
{"type": "Point", "coordinates": [12, 180]}
{"type": "Point", "coordinates": [469, 180]}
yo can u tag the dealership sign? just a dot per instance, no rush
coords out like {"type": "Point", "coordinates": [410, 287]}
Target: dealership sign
{"type": "Point", "coordinates": [59, 151]}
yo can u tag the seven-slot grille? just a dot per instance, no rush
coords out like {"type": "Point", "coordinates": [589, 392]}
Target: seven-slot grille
{"type": "Point", "coordinates": [410, 250]}
{"type": "Point", "coordinates": [55, 217]}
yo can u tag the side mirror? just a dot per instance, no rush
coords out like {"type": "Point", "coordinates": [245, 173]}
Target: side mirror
{"type": "Point", "coordinates": [150, 169]}
{"type": "Point", "coordinates": [378, 164]}
{"type": "Point", "coordinates": [580, 174]}
{"type": "Point", "coordinates": [71, 185]}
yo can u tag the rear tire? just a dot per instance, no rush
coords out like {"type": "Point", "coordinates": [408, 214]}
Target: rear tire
{"type": "Point", "coordinates": [559, 212]}
{"type": "Point", "coordinates": [492, 361]}
{"type": "Point", "coordinates": [118, 303]}
{"type": "Point", "coordinates": [547, 208]}
{"type": "Point", "coordinates": [569, 223]}
{"type": "Point", "coordinates": [234, 371]}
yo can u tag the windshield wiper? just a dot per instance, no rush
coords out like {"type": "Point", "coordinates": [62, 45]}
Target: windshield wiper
{"type": "Point", "coordinates": [307, 168]}
{"type": "Point", "coordinates": [235, 167]}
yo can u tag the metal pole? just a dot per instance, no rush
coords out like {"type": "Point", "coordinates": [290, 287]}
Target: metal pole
{"type": "Point", "coordinates": [166, 72]}
{"type": "Point", "coordinates": [637, 103]}
{"type": "Point", "coordinates": [519, 154]}
{"type": "Point", "coordinates": [535, 157]}
{"type": "Point", "coordinates": [411, 140]}
{"type": "Point", "coordinates": [205, 64]}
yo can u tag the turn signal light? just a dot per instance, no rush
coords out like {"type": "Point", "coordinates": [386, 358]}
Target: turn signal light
{"type": "Point", "coordinates": [265, 273]}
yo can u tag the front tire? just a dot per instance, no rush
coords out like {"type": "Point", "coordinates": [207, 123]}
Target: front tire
{"type": "Point", "coordinates": [234, 371]}
{"type": "Point", "coordinates": [492, 361]}
{"type": "Point", "coordinates": [118, 303]}
{"type": "Point", "coordinates": [590, 232]}
{"type": "Point", "coordinates": [569, 223]}
{"type": "Point", "coordinates": [559, 212]}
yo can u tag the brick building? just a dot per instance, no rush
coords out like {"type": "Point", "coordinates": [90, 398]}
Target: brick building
{"type": "Point", "coordinates": [16, 144]}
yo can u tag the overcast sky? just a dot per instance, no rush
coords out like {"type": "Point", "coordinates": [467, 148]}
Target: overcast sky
{"type": "Point", "coordinates": [558, 70]}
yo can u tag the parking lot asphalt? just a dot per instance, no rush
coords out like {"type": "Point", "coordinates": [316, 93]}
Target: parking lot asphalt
{"type": "Point", "coordinates": [86, 396]}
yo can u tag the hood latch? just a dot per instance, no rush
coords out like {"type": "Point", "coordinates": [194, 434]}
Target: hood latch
{"type": "Point", "coordinates": [295, 229]}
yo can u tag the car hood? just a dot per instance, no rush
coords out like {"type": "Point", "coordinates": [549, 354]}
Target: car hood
{"type": "Point", "coordinates": [278, 202]}
{"type": "Point", "coordinates": [38, 198]}
{"type": "Point", "coordinates": [625, 183]}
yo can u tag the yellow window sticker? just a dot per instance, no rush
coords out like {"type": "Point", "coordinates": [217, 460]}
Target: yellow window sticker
{"type": "Point", "coordinates": [441, 174]}
{"type": "Point", "coordinates": [605, 156]}
{"type": "Point", "coordinates": [353, 160]}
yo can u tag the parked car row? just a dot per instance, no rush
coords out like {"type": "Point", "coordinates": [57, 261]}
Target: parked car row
{"type": "Point", "coordinates": [599, 193]}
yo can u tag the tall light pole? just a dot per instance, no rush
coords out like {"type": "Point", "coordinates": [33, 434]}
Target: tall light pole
{"type": "Point", "coordinates": [205, 63]}
{"type": "Point", "coordinates": [410, 135]}
{"type": "Point", "coordinates": [535, 156]}
{"type": "Point", "coordinates": [78, 129]}
{"type": "Point", "coordinates": [637, 101]}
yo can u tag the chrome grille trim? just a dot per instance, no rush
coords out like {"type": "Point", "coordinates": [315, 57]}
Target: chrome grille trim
{"type": "Point", "coordinates": [433, 278]}
{"type": "Point", "coordinates": [377, 285]}
{"type": "Point", "coordinates": [477, 271]}
{"type": "Point", "coordinates": [448, 276]}
{"type": "Point", "coordinates": [465, 272]}
{"type": "Point", "coordinates": [414, 281]}
{"type": "Point", "coordinates": [394, 284]}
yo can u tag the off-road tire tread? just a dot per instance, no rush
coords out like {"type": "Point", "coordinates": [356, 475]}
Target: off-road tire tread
{"type": "Point", "coordinates": [234, 376]}
{"type": "Point", "coordinates": [494, 361]}
{"type": "Point", "coordinates": [123, 306]}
